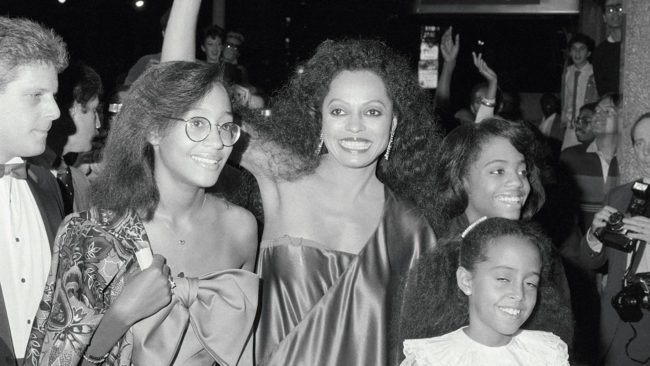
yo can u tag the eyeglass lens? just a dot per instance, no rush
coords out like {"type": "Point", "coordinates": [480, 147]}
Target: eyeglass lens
{"type": "Point", "coordinates": [615, 8]}
{"type": "Point", "coordinates": [198, 129]}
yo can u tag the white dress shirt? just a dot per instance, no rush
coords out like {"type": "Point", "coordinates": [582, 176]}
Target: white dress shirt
{"type": "Point", "coordinates": [25, 256]}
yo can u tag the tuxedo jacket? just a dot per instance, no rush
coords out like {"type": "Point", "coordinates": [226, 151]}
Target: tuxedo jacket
{"type": "Point", "coordinates": [48, 199]}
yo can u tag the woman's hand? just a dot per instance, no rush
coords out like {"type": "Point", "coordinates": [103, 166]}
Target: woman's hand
{"type": "Point", "coordinates": [483, 68]}
{"type": "Point", "coordinates": [144, 293]}
{"type": "Point", "coordinates": [448, 47]}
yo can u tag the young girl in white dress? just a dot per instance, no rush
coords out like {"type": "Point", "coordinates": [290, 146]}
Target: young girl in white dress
{"type": "Point", "coordinates": [498, 265]}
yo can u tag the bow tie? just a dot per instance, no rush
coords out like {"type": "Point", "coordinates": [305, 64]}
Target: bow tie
{"type": "Point", "coordinates": [18, 171]}
{"type": "Point", "coordinates": [218, 308]}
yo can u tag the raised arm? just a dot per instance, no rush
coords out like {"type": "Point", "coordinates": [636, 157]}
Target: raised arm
{"type": "Point", "coordinates": [449, 49]}
{"type": "Point", "coordinates": [486, 108]}
{"type": "Point", "coordinates": [178, 44]}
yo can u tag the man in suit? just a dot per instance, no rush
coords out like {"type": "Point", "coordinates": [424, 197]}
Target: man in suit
{"type": "Point", "coordinates": [615, 332]}
{"type": "Point", "coordinates": [80, 89]}
{"type": "Point", "coordinates": [594, 166]}
{"type": "Point", "coordinates": [30, 205]}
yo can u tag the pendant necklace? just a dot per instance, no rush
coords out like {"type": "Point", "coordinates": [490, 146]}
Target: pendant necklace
{"type": "Point", "coordinates": [182, 242]}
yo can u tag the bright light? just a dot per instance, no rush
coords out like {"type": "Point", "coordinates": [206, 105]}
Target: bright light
{"type": "Point", "coordinates": [138, 3]}
{"type": "Point", "coordinates": [62, 1]}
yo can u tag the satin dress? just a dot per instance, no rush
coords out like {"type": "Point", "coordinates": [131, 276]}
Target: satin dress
{"type": "Point", "coordinates": [325, 307]}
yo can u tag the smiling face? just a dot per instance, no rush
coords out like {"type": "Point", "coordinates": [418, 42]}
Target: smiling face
{"type": "Point", "coordinates": [27, 109]}
{"type": "Point", "coordinates": [196, 164]}
{"type": "Point", "coordinates": [357, 119]}
{"type": "Point", "coordinates": [605, 120]}
{"type": "Point", "coordinates": [212, 48]}
{"type": "Point", "coordinates": [497, 182]}
{"type": "Point", "coordinates": [502, 289]}
{"type": "Point", "coordinates": [579, 54]}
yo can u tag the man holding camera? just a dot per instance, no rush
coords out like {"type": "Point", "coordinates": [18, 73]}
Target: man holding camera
{"type": "Point", "coordinates": [625, 309]}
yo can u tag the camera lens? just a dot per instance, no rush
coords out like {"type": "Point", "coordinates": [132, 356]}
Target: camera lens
{"type": "Point", "coordinates": [615, 221]}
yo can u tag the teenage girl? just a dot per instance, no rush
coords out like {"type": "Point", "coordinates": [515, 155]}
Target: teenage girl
{"type": "Point", "coordinates": [497, 264]}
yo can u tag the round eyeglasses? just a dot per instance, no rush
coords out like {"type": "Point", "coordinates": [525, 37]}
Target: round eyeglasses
{"type": "Point", "coordinates": [198, 129]}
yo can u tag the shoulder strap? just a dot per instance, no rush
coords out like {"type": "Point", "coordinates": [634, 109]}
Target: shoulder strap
{"type": "Point", "coordinates": [636, 259]}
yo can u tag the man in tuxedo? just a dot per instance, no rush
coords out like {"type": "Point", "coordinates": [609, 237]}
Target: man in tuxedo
{"type": "Point", "coordinates": [31, 56]}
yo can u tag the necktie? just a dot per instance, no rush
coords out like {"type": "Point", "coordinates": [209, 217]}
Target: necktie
{"type": "Point", "coordinates": [18, 171]}
{"type": "Point", "coordinates": [574, 107]}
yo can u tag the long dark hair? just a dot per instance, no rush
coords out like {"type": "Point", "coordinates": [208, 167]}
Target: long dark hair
{"type": "Point", "coordinates": [461, 148]}
{"type": "Point", "coordinates": [166, 90]}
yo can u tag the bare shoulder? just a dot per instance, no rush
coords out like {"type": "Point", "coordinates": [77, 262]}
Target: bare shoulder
{"type": "Point", "coordinates": [241, 222]}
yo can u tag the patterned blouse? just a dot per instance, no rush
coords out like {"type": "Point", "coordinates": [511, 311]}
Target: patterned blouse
{"type": "Point", "coordinates": [94, 255]}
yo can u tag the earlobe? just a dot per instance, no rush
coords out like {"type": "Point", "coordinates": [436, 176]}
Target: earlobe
{"type": "Point", "coordinates": [154, 138]}
{"type": "Point", "coordinates": [393, 124]}
{"type": "Point", "coordinates": [74, 108]}
{"type": "Point", "coordinates": [464, 280]}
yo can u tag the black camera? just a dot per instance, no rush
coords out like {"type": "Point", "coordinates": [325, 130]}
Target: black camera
{"type": "Point", "coordinates": [612, 233]}
{"type": "Point", "coordinates": [632, 298]}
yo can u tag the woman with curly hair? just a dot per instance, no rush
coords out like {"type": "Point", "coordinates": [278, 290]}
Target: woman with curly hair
{"type": "Point", "coordinates": [486, 169]}
{"type": "Point", "coordinates": [347, 146]}
{"type": "Point", "coordinates": [108, 300]}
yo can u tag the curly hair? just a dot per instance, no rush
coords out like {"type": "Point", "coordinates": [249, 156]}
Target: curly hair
{"type": "Point", "coordinates": [155, 101]}
{"type": "Point", "coordinates": [296, 120]}
{"type": "Point", "coordinates": [435, 305]}
{"type": "Point", "coordinates": [24, 42]}
{"type": "Point", "coordinates": [462, 147]}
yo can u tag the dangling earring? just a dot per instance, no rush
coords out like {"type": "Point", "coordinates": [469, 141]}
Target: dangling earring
{"type": "Point", "coordinates": [320, 144]}
{"type": "Point", "coordinates": [390, 145]}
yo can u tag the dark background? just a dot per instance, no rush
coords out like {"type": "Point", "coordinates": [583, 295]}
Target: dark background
{"type": "Point", "coordinates": [110, 35]}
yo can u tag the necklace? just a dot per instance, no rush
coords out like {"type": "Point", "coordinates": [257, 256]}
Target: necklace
{"type": "Point", "coordinates": [181, 242]}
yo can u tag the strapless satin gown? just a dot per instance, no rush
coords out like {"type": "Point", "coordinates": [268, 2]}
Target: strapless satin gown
{"type": "Point", "coordinates": [325, 307]}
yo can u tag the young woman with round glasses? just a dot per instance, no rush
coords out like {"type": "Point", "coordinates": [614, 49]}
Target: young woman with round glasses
{"type": "Point", "coordinates": [108, 299]}
{"type": "Point", "coordinates": [340, 160]}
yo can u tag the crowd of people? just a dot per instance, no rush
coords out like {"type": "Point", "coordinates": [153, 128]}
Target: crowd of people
{"type": "Point", "coordinates": [335, 223]}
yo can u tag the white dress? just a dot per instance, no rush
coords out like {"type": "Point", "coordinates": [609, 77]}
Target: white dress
{"type": "Point", "coordinates": [528, 347]}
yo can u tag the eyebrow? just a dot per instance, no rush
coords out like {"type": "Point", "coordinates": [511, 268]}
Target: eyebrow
{"type": "Point", "coordinates": [38, 89]}
{"type": "Point", "coordinates": [503, 161]}
{"type": "Point", "coordinates": [536, 273]}
{"type": "Point", "coordinates": [344, 102]}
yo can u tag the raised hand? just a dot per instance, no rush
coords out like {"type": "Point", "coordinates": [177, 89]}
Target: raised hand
{"type": "Point", "coordinates": [448, 46]}
{"type": "Point", "coordinates": [483, 67]}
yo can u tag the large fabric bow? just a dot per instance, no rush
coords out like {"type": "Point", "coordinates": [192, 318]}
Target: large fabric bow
{"type": "Point", "coordinates": [219, 308]}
